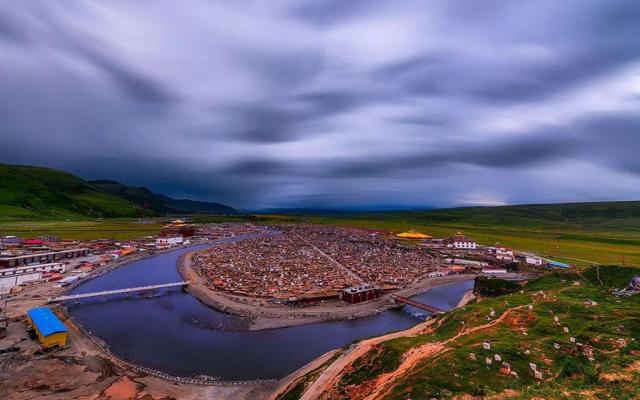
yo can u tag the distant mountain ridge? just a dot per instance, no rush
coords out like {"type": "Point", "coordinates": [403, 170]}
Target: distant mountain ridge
{"type": "Point", "coordinates": [613, 215]}
{"type": "Point", "coordinates": [28, 192]}
{"type": "Point", "coordinates": [160, 203]}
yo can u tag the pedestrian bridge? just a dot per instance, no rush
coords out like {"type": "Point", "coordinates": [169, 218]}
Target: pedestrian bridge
{"type": "Point", "coordinates": [116, 291]}
{"type": "Point", "coordinates": [422, 306]}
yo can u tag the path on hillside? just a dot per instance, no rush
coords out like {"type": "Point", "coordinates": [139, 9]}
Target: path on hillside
{"type": "Point", "coordinates": [583, 260]}
{"type": "Point", "coordinates": [384, 383]}
{"type": "Point", "coordinates": [329, 378]}
{"type": "Point", "coordinates": [337, 367]}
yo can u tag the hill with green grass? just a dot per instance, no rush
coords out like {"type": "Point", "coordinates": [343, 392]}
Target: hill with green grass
{"type": "Point", "coordinates": [36, 193]}
{"type": "Point", "coordinates": [581, 350]}
{"type": "Point", "coordinates": [159, 203]}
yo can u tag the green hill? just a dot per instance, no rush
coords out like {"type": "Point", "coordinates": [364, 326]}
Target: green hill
{"type": "Point", "coordinates": [36, 192]}
{"type": "Point", "coordinates": [31, 193]}
{"type": "Point", "coordinates": [159, 203]}
{"type": "Point", "coordinates": [591, 352]}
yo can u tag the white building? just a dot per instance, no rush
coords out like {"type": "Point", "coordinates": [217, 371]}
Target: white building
{"type": "Point", "coordinates": [461, 261]}
{"type": "Point", "coordinates": [165, 242]}
{"type": "Point", "coordinates": [533, 260]}
{"type": "Point", "coordinates": [461, 242]}
{"type": "Point", "coordinates": [504, 254]}
{"type": "Point", "coordinates": [491, 271]}
{"type": "Point", "coordinates": [9, 282]}
{"type": "Point", "coordinates": [12, 277]}
{"type": "Point", "coordinates": [49, 267]}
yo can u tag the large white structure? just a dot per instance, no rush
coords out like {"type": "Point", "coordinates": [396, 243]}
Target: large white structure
{"type": "Point", "coordinates": [533, 260]}
{"type": "Point", "coordinates": [462, 261]}
{"type": "Point", "coordinates": [504, 254]}
{"type": "Point", "coordinates": [165, 242]}
{"type": "Point", "coordinates": [12, 277]}
{"type": "Point", "coordinates": [49, 267]}
{"type": "Point", "coordinates": [492, 271]}
{"type": "Point", "coordinates": [461, 242]}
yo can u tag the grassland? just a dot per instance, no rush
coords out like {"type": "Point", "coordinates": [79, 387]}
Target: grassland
{"type": "Point", "coordinates": [37, 193]}
{"type": "Point", "coordinates": [121, 229]}
{"type": "Point", "coordinates": [520, 336]}
{"type": "Point", "coordinates": [84, 230]}
{"type": "Point", "coordinates": [582, 234]}
{"type": "Point", "coordinates": [44, 193]}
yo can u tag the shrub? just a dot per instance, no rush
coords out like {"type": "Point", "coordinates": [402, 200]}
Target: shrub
{"type": "Point", "coordinates": [491, 286]}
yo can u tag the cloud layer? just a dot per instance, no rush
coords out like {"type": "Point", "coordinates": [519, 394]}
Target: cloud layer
{"type": "Point", "coordinates": [329, 103]}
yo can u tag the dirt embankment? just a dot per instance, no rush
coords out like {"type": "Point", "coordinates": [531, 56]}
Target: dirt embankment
{"type": "Point", "coordinates": [384, 383]}
{"type": "Point", "coordinates": [263, 316]}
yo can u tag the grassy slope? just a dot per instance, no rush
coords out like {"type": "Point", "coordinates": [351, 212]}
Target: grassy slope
{"type": "Point", "coordinates": [566, 370]}
{"type": "Point", "coordinates": [32, 193]}
{"type": "Point", "coordinates": [582, 233]}
{"type": "Point", "coordinates": [35, 192]}
{"type": "Point", "coordinates": [161, 204]}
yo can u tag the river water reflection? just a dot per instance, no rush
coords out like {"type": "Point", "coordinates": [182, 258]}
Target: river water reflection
{"type": "Point", "coordinates": [175, 333]}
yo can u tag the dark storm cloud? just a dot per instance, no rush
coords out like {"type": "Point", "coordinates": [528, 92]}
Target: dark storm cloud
{"type": "Point", "coordinates": [329, 103]}
{"type": "Point", "coordinates": [134, 84]}
{"type": "Point", "coordinates": [270, 123]}
{"type": "Point", "coordinates": [332, 11]}
{"type": "Point", "coordinates": [519, 152]}
{"type": "Point", "coordinates": [10, 31]}
{"type": "Point", "coordinates": [433, 120]}
{"type": "Point", "coordinates": [615, 140]}
{"type": "Point", "coordinates": [533, 82]}
{"type": "Point", "coordinates": [502, 81]}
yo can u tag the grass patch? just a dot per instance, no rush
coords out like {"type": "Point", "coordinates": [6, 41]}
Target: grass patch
{"type": "Point", "coordinates": [566, 369]}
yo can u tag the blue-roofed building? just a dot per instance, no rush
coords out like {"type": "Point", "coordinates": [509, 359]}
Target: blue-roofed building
{"type": "Point", "coordinates": [49, 329]}
{"type": "Point", "coordinates": [558, 264]}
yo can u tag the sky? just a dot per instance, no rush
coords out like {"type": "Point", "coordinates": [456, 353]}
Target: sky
{"type": "Point", "coordinates": [329, 104]}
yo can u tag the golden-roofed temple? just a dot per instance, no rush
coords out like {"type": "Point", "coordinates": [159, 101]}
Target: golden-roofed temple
{"type": "Point", "coordinates": [412, 234]}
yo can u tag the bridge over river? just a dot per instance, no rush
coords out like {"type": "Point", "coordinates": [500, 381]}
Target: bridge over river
{"type": "Point", "coordinates": [180, 336]}
{"type": "Point", "coordinates": [422, 306]}
{"type": "Point", "coordinates": [116, 291]}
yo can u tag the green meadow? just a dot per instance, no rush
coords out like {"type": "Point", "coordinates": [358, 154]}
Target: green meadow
{"type": "Point", "coordinates": [83, 229]}
{"type": "Point", "coordinates": [582, 234]}
{"type": "Point", "coordinates": [524, 336]}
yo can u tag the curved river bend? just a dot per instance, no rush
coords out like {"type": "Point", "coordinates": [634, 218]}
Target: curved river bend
{"type": "Point", "coordinates": [173, 332]}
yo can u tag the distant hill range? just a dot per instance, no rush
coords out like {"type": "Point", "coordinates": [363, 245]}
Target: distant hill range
{"type": "Point", "coordinates": [159, 203]}
{"type": "Point", "coordinates": [28, 192]}
{"type": "Point", "coordinates": [610, 215]}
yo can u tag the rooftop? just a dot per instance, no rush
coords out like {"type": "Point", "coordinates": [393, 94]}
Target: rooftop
{"type": "Point", "coordinates": [46, 321]}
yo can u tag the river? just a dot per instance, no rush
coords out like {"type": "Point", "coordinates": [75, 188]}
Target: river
{"type": "Point", "coordinates": [173, 332]}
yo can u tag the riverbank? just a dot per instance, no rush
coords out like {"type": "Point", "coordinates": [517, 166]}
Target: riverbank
{"type": "Point", "coordinates": [466, 298]}
{"type": "Point", "coordinates": [191, 361]}
{"type": "Point", "coordinates": [86, 369]}
{"type": "Point", "coordinates": [121, 262]}
{"type": "Point", "coordinates": [263, 316]}
{"type": "Point", "coordinates": [356, 350]}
